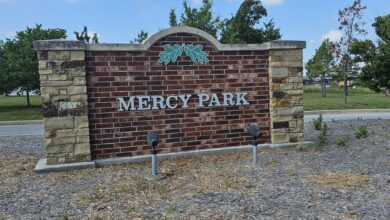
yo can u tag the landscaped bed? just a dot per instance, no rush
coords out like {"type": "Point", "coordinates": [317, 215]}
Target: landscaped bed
{"type": "Point", "coordinates": [339, 182]}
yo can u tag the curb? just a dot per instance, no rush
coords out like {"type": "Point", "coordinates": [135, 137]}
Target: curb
{"type": "Point", "coordinates": [42, 166]}
{"type": "Point", "coordinates": [26, 122]}
{"type": "Point", "coordinates": [350, 111]}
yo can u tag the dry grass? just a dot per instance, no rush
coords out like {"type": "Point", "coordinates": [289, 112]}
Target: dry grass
{"type": "Point", "coordinates": [342, 179]}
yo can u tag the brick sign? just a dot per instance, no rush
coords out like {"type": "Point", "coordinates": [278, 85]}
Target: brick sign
{"type": "Point", "coordinates": [102, 99]}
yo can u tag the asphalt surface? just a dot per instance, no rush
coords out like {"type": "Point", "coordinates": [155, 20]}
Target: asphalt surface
{"type": "Point", "coordinates": [37, 129]}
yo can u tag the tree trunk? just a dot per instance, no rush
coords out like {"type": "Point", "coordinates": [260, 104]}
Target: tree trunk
{"type": "Point", "coordinates": [323, 86]}
{"type": "Point", "coordinates": [28, 97]}
{"type": "Point", "coordinates": [345, 89]}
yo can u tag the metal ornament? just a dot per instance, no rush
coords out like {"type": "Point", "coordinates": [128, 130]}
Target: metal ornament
{"type": "Point", "coordinates": [172, 52]}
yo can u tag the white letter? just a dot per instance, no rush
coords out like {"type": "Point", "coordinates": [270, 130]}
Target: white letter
{"type": "Point", "coordinates": [169, 102]}
{"type": "Point", "coordinates": [158, 101]}
{"type": "Point", "coordinates": [143, 102]}
{"type": "Point", "coordinates": [241, 97]}
{"type": "Point", "coordinates": [184, 99]}
{"type": "Point", "coordinates": [123, 106]}
{"type": "Point", "coordinates": [228, 99]}
{"type": "Point", "coordinates": [203, 98]}
{"type": "Point", "coordinates": [214, 99]}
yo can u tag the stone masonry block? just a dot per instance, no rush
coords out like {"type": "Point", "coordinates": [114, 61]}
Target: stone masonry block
{"type": "Point", "coordinates": [278, 72]}
{"type": "Point", "coordinates": [58, 55]}
{"type": "Point", "coordinates": [77, 90]}
{"type": "Point", "coordinates": [58, 123]}
{"type": "Point", "coordinates": [77, 55]}
{"type": "Point", "coordinates": [42, 64]}
{"type": "Point", "coordinates": [82, 149]}
{"type": "Point", "coordinates": [280, 138]}
{"type": "Point", "coordinates": [79, 81]}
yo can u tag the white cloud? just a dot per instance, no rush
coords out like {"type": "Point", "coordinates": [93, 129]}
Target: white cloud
{"type": "Point", "coordinates": [333, 35]}
{"type": "Point", "coordinates": [9, 34]}
{"type": "Point", "coordinates": [272, 2]}
{"type": "Point", "coordinates": [197, 2]}
{"type": "Point", "coordinates": [312, 40]}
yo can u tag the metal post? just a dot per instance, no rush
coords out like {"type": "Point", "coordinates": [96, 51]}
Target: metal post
{"type": "Point", "coordinates": [254, 161]}
{"type": "Point", "coordinates": [154, 164]}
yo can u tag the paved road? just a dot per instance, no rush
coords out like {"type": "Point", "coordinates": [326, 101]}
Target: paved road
{"type": "Point", "coordinates": [16, 130]}
{"type": "Point", "coordinates": [36, 129]}
{"type": "Point", "coordinates": [349, 116]}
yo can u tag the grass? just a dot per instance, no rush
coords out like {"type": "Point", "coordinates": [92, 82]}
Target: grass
{"type": "Point", "coordinates": [359, 98]}
{"type": "Point", "coordinates": [13, 108]}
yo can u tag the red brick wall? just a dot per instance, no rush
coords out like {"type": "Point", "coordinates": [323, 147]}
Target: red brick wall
{"type": "Point", "coordinates": [122, 74]}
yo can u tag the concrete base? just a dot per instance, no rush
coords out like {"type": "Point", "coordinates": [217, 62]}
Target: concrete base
{"type": "Point", "coordinates": [42, 166]}
{"type": "Point", "coordinates": [151, 178]}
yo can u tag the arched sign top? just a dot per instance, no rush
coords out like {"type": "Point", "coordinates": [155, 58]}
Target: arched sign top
{"type": "Point", "coordinates": [147, 43]}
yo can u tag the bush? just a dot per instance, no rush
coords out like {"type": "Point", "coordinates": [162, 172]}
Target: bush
{"type": "Point", "coordinates": [322, 138]}
{"type": "Point", "coordinates": [317, 122]}
{"type": "Point", "coordinates": [341, 141]}
{"type": "Point", "coordinates": [361, 132]}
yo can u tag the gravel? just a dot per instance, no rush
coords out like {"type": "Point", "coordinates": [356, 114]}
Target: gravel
{"type": "Point", "coordinates": [351, 182]}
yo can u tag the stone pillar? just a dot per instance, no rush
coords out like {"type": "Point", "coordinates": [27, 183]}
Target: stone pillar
{"type": "Point", "coordinates": [64, 96]}
{"type": "Point", "coordinates": [286, 95]}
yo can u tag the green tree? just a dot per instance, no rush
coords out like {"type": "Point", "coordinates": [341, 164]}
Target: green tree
{"type": "Point", "coordinates": [351, 24]}
{"type": "Point", "coordinates": [21, 59]}
{"type": "Point", "coordinates": [8, 80]}
{"type": "Point", "coordinates": [201, 18]}
{"type": "Point", "coordinates": [84, 36]}
{"type": "Point", "coordinates": [143, 35]}
{"type": "Point", "coordinates": [172, 18]}
{"type": "Point", "coordinates": [241, 28]}
{"type": "Point", "coordinates": [375, 72]}
{"type": "Point", "coordinates": [321, 64]}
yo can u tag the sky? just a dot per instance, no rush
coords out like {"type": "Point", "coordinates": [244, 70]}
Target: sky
{"type": "Point", "coordinates": [119, 21]}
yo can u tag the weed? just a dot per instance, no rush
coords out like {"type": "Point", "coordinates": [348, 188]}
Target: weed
{"type": "Point", "coordinates": [323, 137]}
{"type": "Point", "coordinates": [163, 191]}
{"type": "Point", "coordinates": [317, 122]}
{"type": "Point", "coordinates": [341, 142]}
{"type": "Point", "coordinates": [274, 163]}
{"type": "Point", "coordinates": [292, 173]}
{"type": "Point", "coordinates": [65, 216]}
{"type": "Point", "coordinates": [361, 132]}
{"type": "Point", "coordinates": [172, 208]}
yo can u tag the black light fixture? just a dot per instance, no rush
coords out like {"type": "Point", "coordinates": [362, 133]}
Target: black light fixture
{"type": "Point", "coordinates": [153, 138]}
{"type": "Point", "coordinates": [255, 132]}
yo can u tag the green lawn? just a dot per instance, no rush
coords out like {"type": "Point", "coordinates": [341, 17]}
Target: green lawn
{"type": "Point", "coordinates": [360, 98]}
{"type": "Point", "coordinates": [14, 108]}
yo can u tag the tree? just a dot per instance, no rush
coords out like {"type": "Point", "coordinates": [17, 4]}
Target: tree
{"type": "Point", "coordinates": [172, 18]}
{"type": "Point", "coordinates": [7, 81]}
{"type": "Point", "coordinates": [84, 36]}
{"type": "Point", "coordinates": [375, 72]}
{"type": "Point", "coordinates": [351, 24]}
{"type": "Point", "coordinates": [141, 37]}
{"type": "Point", "coordinates": [21, 59]}
{"type": "Point", "coordinates": [321, 64]}
{"type": "Point", "coordinates": [201, 18]}
{"type": "Point", "coordinates": [241, 28]}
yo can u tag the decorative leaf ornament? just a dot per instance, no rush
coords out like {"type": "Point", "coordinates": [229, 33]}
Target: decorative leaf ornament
{"type": "Point", "coordinates": [171, 53]}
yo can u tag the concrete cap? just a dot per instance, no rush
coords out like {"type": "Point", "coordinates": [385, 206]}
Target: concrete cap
{"type": "Point", "coordinates": [144, 46]}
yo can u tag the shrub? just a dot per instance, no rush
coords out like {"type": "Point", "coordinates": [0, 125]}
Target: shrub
{"type": "Point", "coordinates": [341, 141]}
{"type": "Point", "coordinates": [317, 122]}
{"type": "Point", "coordinates": [361, 132]}
{"type": "Point", "coordinates": [322, 137]}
